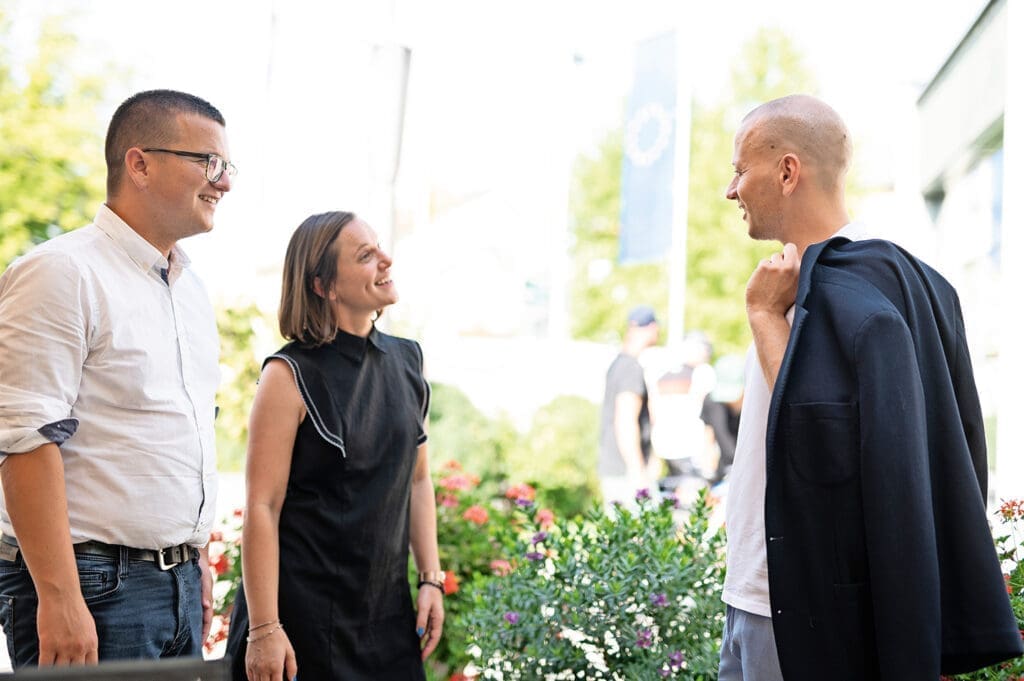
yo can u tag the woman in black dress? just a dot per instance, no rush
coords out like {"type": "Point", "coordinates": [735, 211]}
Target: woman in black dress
{"type": "Point", "coordinates": [338, 483]}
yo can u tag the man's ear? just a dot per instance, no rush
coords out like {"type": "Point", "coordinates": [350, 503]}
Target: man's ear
{"type": "Point", "coordinates": [789, 173]}
{"type": "Point", "coordinates": [136, 167]}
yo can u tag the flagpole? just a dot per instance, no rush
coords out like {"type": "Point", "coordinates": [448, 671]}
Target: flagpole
{"type": "Point", "coordinates": [680, 184]}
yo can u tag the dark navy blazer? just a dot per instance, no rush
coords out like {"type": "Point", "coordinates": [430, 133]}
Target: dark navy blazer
{"type": "Point", "coordinates": [881, 563]}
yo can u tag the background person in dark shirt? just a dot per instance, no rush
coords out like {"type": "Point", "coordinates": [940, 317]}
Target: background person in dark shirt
{"type": "Point", "coordinates": [721, 411]}
{"type": "Point", "coordinates": [625, 463]}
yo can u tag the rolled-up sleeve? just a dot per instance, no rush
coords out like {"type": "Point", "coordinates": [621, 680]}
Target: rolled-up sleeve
{"type": "Point", "coordinates": [44, 310]}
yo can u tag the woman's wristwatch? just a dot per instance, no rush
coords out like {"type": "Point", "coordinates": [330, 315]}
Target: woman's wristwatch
{"type": "Point", "coordinates": [434, 578]}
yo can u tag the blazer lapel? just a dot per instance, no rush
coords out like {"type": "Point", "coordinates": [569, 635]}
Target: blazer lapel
{"type": "Point", "coordinates": [807, 264]}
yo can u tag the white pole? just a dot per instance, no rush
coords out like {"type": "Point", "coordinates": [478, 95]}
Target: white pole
{"type": "Point", "coordinates": [680, 184]}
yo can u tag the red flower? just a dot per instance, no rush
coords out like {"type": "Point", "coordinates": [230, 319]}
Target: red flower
{"type": "Point", "coordinates": [448, 500]}
{"type": "Point", "coordinates": [452, 465]}
{"type": "Point", "coordinates": [459, 481]}
{"type": "Point", "coordinates": [238, 512]}
{"type": "Point", "coordinates": [501, 567]}
{"type": "Point", "coordinates": [451, 583]}
{"type": "Point", "coordinates": [220, 564]}
{"type": "Point", "coordinates": [521, 491]}
{"type": "Point", "coordinates": [458, 676]}
{"type": "Point", "coordinates": [546, 518]}
{"type": "Point", "coordinates": [1012, 509]}
{"type": "Point", "coordinates": [476, 514]}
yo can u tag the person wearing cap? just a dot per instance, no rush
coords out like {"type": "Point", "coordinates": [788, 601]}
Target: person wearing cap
{"type": "Point", "coordinates": [625, 463]}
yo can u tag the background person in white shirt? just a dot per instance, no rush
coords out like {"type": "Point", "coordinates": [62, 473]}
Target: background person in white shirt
{"type": "Point", "coordinates": [108, 371]}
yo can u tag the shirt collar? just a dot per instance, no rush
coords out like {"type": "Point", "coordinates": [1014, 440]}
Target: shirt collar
{"type": "Point", "coordinates": [354, 347]}
{"type": "Point", "coordinates": [854, 231]}
{"type": "Point", "coordinates": [143, 253]}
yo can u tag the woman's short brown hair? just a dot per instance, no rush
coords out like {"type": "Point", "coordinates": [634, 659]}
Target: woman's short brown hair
{"type": "Point", "coordinates": [305, 316]}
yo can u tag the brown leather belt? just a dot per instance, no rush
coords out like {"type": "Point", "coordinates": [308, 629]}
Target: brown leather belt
{"type": "Point", "coordinates": [165, 559]}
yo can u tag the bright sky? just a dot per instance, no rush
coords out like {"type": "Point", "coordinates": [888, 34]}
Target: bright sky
{"type": "Point", "coordinates": [501, 97]}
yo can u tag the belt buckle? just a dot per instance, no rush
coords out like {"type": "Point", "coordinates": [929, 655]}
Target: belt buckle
{"type": "Point", "coordinates": [160, 559]}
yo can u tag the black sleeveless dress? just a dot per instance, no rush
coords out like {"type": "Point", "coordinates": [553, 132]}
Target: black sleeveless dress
{"type": "Point", "coordinates": [344, 597]}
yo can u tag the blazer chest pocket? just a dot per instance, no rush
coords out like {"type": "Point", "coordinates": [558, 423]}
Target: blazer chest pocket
{"type": "Point", "coordinates": [821, 441]}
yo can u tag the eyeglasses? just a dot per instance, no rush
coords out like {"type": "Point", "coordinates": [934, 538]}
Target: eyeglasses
{"type": "Point", "coordinates": [215, 165]}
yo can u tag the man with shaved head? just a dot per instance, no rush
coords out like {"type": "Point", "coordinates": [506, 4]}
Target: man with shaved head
{"type": "Point", "coordinates": [858, 541]}
{"type": "Point", "coordinates": [108, 372]}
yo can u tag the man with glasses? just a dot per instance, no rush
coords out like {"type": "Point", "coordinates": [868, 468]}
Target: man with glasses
{"type": "Point", "coordinates": [108, 370]}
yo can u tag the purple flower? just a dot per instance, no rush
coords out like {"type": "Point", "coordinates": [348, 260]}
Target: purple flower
{"type": "Point", "coordinates": [539, 537]}
{"type": "Point", "coordinates": [659, 600]}
{"type": "Point", "coordinates": [523, 503]}
{"type": "Point", "coordinates": [664, 672]}
{"type": "Point", "coordinates": [672, 501]}
{"type": "Point", "coordinates": [642, 495]}
{"type": "Point", "coordinates": [645, 639]}
{"type": "Point", "coordinates": [534, 555]}
{"type": "Point", "coordinates": [675, 659]}
{"type": "Point", "coordinates": [512, 617]}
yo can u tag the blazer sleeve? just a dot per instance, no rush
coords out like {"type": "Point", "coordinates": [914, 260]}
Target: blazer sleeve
{"type": "Point", "coordinates": [896, 488]}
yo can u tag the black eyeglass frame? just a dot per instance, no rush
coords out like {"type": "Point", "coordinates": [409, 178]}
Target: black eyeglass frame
{"type": "Point", "coordinates": [230, 167]}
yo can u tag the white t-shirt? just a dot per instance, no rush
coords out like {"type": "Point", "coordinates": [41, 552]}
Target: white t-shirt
{"type": "Point", "coordinates": [746, 577]}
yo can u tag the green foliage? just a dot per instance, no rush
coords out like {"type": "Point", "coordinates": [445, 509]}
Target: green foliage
{"type": "Point", "coordinates": [559, 455]}
{"type": "Point", "coordinates": [558, 452]}
{"type": "Point", "coordinates": [621, 596]}
{"type": "Point", "coordinates": [461, 432]}
{"type": "Point", "coordinates": [1010, 546]}
{"type": "Point", "coordinates": [240, 370]}
{"type": "Point", "coordinates": [602, 291]}
{"type": "Point", "coordinates": [720, 255]}
{"type": "Point", "coordinates": [51, 148]}
{"type": "Point", "coordinates": [477, 528]}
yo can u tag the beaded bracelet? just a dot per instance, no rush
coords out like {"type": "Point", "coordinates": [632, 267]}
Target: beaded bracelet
{"type": "Point", "coordinates": [265, 624]}
{"type": "Point", "coordinates": [253, 639]}
{"type": "Point", "coordinates": [439, 587]}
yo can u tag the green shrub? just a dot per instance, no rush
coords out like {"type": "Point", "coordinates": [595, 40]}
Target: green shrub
{"type": "Point", "coordinates": [621, 596]}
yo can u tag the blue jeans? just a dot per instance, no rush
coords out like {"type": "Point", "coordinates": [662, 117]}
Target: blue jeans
{"type": "Point", "coordinates": [140, 610]}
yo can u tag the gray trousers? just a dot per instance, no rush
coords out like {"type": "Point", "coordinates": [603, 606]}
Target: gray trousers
{"type": "Point", "coordinates": [748, 648]}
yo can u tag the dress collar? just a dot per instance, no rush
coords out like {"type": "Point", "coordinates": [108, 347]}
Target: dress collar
{"type": "Point", "coordinates": [354, 347]}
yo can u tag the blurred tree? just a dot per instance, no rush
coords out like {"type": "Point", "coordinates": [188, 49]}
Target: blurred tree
{"type": "Point", "coordinates": [51, 145]}
{"type": "Point", "coordinates": [242, 330]}
{"type": "Point", "coordinates": [558, 455]}
{"type": "Point", "coordinates": [460, 432]}
{"type": "Point", "coordinates": [602, 290]}
{"type": "Point", "coordinates": [720, 255]}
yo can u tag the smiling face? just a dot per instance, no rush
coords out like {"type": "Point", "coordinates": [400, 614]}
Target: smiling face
{"type": "Point", "coordinates": [182, 200]}
{"type": "Point", "coordinates": [755, 186]}
{"type": "Point", "coordinates": [362, 284]}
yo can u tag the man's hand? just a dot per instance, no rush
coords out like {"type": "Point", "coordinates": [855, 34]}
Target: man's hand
{"type": "Point", "coordinates": [206, 579]}
{"type": "Point", "coordinates": [771, 291]}
{"type": "Point", "coordinates": [772, 287]}
{"type": "Point", "coordinates": [67, 632]}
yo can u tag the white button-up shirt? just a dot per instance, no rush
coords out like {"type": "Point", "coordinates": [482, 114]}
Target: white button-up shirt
{"type": "Point", "coordinates": [111, 351]}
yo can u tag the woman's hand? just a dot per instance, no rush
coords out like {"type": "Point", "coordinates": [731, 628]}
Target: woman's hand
{"type": "Point", "coordinates": [429, 618]}
{"type": "Point", "coordinates": [268, 656]}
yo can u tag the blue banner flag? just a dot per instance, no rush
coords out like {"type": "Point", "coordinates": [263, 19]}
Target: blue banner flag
{"type": "Point", "coordinates": [648, 164]}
